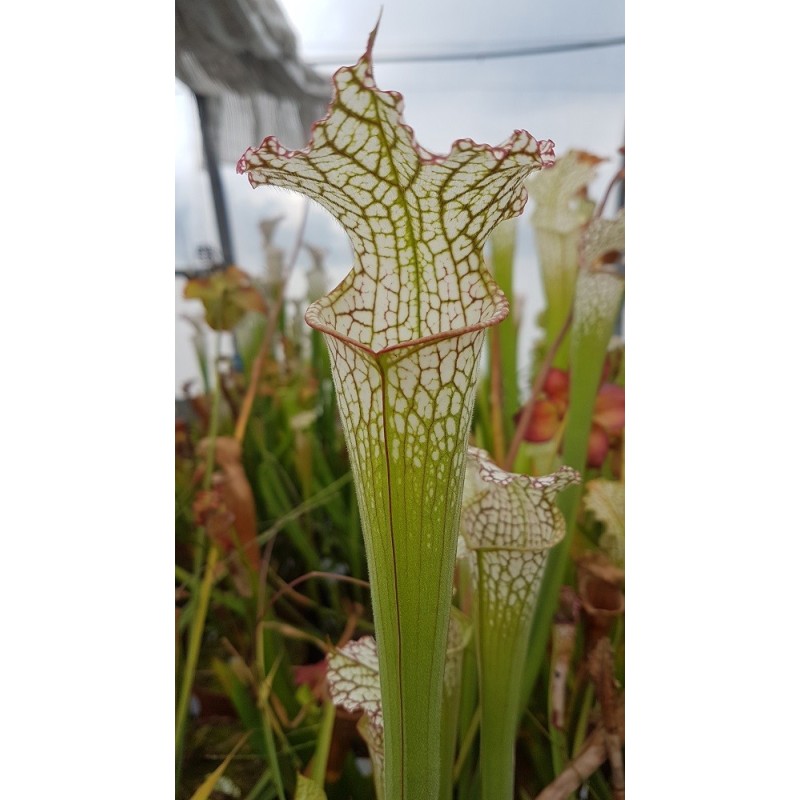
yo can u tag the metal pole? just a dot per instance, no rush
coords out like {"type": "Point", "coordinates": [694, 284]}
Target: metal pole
{"type": "Point", "coordinates": [212, 164]}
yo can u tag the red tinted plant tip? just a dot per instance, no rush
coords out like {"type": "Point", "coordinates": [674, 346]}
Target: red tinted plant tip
{"type": "Point", "coordinates": [609, 408]}
{"type": "Point", "coordinates": [608, 418]}
{"type": "Point", "coordinates": [556, 385]}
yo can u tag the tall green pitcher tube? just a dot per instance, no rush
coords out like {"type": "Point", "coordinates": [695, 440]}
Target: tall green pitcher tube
{"type": "Point", "coordinates": [404, 331]}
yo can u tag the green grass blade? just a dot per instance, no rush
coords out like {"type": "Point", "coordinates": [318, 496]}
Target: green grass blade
{"type": "Point", "coordinates": [206, 788]}
{"type": "Point", "coordinates": [502, 258]}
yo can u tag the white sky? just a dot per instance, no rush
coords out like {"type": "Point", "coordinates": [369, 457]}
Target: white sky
{"type": "Point", "coordinates": [574, 98]}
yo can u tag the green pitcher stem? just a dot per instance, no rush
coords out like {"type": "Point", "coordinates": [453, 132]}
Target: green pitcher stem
{"type": "Point", "coordinates": [409, 491]}
{"type": "Point", "coordinates": [501, 654]}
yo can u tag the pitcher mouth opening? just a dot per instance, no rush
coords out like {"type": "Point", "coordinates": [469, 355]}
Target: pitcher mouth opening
{"type": "Point", "coordinates": [322, 318]}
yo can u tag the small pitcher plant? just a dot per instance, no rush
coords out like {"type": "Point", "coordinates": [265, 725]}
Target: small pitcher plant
{"type": "Point", "coordinates": [509, 523]}
{"type": "Point", "coordinates": [354, 683]}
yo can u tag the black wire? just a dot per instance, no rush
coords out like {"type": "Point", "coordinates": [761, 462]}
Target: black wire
{"type": "Point", "coordinates": [479, 56]}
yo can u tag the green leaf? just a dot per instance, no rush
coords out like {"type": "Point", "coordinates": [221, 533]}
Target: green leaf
{"type": "Point", "coordinates": [502, 249]}
{"type": "Point", "coordinates": [242, 699]}
{"type": "Point", "coordinates": [323, 746]}
{"type": "Point", "coordinates": [307, 789]}
{"type": "Point", "coordinates": [606, 500]}
{"type": "Point", "coordinates": [404, 330]}
{"type": "Point", "coordinates": [205, 789]}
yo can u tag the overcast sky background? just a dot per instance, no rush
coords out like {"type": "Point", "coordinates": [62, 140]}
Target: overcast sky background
{"type": "Point", "coordinates": [574, 98]}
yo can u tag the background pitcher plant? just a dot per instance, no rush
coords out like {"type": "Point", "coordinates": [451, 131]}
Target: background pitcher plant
{"type": "Point", "coordinates": [509, 523]}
